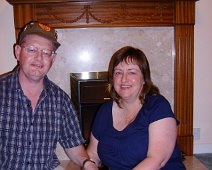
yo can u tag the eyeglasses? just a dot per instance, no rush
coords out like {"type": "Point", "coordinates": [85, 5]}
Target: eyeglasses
{"type": "Point", "coordinates": [32, 50]}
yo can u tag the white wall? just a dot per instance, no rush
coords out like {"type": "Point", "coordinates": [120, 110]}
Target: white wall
{"type": "Point", "coordinates": [7, 37]}
{"type": "Point", "coordinates": [203, 77]}
{"type": "Point", "coordinates": [202, 66]}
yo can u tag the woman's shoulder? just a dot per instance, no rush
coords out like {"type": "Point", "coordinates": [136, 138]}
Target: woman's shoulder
{"type": "Point", "coordinates": [157, 107]}
{"type": "Point", "coordinates": [104, 110]}
{"type": "Point", "coordinates": [102, 119]}
{"type": "Point", "coordinates": [151, 100]}
{"type": "Point", "coordinates": [106, 105]}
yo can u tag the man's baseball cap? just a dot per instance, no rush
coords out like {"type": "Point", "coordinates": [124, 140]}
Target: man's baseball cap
{"type": "Point", "coordinates": [41, 30]}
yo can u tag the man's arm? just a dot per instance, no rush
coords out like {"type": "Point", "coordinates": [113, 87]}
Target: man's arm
{"type": "Point", "coordinates": [78, 155]}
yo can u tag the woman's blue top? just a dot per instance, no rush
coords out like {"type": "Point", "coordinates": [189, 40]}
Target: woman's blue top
{"type": "Point", "coordinates": [123, 150]}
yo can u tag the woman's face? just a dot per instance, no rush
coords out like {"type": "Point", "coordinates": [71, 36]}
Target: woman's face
{"type": "Point", "coordinates": [128, 80]}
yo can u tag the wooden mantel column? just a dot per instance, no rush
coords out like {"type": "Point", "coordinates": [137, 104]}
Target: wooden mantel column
{"type": "Point", "coordinates": [23, 13]}
{"type": "Point", "coordinates": [179, 14]}
{"type": "Point", "coordinates": [184, 39]}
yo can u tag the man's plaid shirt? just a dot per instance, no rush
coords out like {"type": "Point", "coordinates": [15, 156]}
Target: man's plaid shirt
{"type": "Point", "coordinates": [28, 139]}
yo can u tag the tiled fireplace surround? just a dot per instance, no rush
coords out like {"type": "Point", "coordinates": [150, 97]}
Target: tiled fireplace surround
{"type": "Point", "coordinates": [90, 49]}
{"type": "Point", "coordinates": [95, 29]}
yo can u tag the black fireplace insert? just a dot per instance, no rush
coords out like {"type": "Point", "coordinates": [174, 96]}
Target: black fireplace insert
{"type": "Point", "coordinates": [88, 92]}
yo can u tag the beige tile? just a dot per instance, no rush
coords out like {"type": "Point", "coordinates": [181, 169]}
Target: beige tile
{"type": "Point", "coordinates": [69, 165]}
{"type": "Point", "coordinates": [193, 163]}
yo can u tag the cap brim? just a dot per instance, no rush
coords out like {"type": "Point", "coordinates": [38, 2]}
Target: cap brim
{"type": "Point", "coordinates": [56, 44]}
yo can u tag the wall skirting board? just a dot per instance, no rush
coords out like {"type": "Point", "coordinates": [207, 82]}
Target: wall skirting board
{"type": "Point", "coordinates": [202, 148]}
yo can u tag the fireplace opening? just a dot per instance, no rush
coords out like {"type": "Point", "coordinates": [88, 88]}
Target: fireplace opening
{"type": "Point", "coordinates": [88, 92]}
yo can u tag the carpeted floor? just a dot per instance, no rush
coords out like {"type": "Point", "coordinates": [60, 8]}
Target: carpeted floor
{"type": "Point", "coordinates": [206, 159]}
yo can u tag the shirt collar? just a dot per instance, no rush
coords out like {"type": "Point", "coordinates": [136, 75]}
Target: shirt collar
{"type": "Point", "coordinates": [15, 80]}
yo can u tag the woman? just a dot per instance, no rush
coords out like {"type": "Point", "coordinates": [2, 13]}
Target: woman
{"type": "Point", "coordinates": [138, 129]}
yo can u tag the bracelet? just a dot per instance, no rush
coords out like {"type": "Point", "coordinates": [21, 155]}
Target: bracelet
{"type": "Point", "coordinates": [86, 160]}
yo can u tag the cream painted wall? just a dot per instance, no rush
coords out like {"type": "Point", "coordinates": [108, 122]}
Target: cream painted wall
{"type": "Point", "coordinates": [202, 66]}
{"type": "Point", "coordinates": [7, 37]}
{"type": "Point", "coordinates": [203, 77]}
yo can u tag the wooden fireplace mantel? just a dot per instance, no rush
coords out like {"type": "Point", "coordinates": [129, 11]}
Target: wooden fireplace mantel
{"type": "Point", "coordinates": [179, 14]}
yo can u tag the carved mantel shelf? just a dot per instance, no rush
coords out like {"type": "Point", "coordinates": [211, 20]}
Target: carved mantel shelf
{"type": "Point", "coordinates": [179, 14]}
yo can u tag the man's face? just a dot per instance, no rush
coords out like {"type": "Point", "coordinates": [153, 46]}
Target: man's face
{"type": "Point", "coordinates": [35, 56]}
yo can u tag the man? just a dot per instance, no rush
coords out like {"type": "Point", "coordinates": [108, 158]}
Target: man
{"type": "Point", "coordinates": [35, 113]}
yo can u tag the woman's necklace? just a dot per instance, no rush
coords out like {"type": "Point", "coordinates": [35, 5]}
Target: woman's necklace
{"type": "Point", "coordinates": [129, 116]}
{"type": "Point", "coordinates": [125, 115]}
{"type": "Point", "coordinates": [130, 119]}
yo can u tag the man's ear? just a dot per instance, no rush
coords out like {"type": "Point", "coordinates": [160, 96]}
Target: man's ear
{"type": "Point", "coordinates": [17, 51]}
{"type": "Point", "coordinates": [54, 57]}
